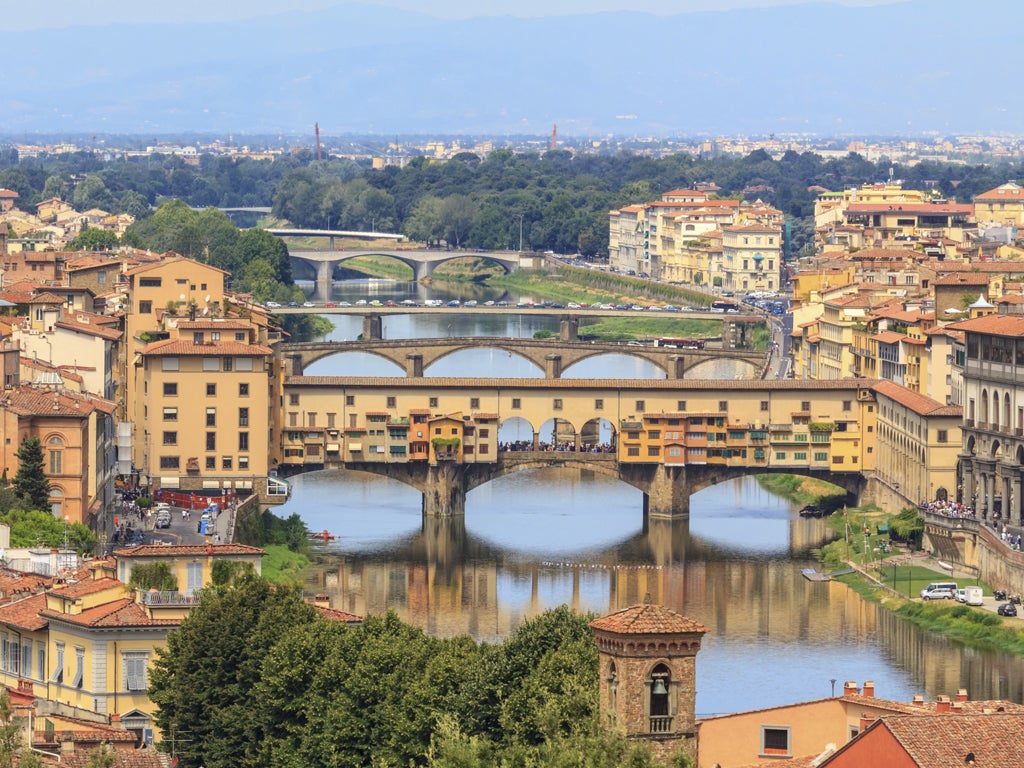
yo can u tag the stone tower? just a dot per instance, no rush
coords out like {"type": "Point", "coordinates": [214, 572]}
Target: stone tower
{"type": "Point", "coordinates": [648, 662]}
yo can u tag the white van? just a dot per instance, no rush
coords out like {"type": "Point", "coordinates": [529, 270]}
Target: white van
{"type": "Point", "coordinates": [973, 596]}
{"type": "Point", "coordinates": [939, 590]}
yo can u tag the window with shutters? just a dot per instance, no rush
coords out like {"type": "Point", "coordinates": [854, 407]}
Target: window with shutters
{"type": "Point", "coordinates": [15, 657]}
{"type": "Point", "coordinates": [26, 659]}
{"type": "Point", "coordinates": [79, 667]}
{"type": "Point", "coordinates": [58, 667]}
{"type": "Point", "coordinates": [193, 577]}
{"type": "Point", "coordinates": [135, 671]}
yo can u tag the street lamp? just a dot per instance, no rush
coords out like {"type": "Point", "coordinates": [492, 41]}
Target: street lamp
{"type": "Point", "coordinates": [521, 215]}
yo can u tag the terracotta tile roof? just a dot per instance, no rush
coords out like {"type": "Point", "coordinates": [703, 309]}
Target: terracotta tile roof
{"type": "Point", "coordinates": [85, 587]}
{"type": "Point", "coordinates": [646, 619]}
{"type": "Point", "coordinates": [889, 337]}
{"type": "Point", "coordinates": [187, 550]}
{"type": "Point", "coordinates": [1002, 193]}
{"type": "Point", "coordinates": [124, 612]}
{"type": "Point", "coordinates": [46, 298]}
{"type": "Point", "coordinates": [88, 323]}
{"type": "Point", "coordinates": [24, 614]}
{"type": "Point", "coordinates": [182, 347]}
{"type": "Point", "coordinates": [335, 615]}
{"type": "Point", "coordinates": [171, 258]}
{"type": "Point", "coordinates": [42, 365]}
{"type": "Point", "coordinates": [755, 228]}
{"type": "Point", "coordinates": [485, 416]}
{"type": "Point", "coordinates": [962, 278]}
{"type": "Point", "coordinates": [994, 325]}
{"type": "Point", "coordinates": [27, 400]}
{"type": "Point", "coordinates": [885, 254]}
{"type": "Point", "coordinates": [208, 324]}
{"type": "Point", "coordinates": [926, 208]}
{"type": "Point", "coordinates": [934, 742]}
{"type": "Point", "coordinates": [915, 401]}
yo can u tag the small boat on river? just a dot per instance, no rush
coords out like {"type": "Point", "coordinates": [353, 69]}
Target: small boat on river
{"type": "Point", "coordinates": [324, 536]}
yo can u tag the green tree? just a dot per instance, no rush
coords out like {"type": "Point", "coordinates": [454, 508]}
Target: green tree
{"type": "Point", "coordinates": [31, 481]}
{"type": "Point", "coordinates": [153, 576]}
{"type": "Point", "coordinates": [10, 731]}
{"type": "Point", "coordinates": [91, 192]}
{"type": "Point", "coordinates": [94, 239]}
{"type": "Point", "coordinates": [101, 757]}
{"type": "Point", "coordinates": [203, 681]}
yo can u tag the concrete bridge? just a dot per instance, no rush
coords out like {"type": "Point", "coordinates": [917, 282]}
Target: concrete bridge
{"type": "Point", "coordinates": [669, 439]}
{"type": "Point", "coordinates": [423, 262]}
{"type": "Point", "coordinates": [552, 356]}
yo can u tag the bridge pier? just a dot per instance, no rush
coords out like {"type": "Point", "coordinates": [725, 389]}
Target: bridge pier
{"type": "Point", "coordinates": [676, 368]}
{"type": "Point", "coordinates": [295, 366]}
{"type": "Point", "coordinates": [569, 329]}
{"type": "Point", "coordinates": [414, 366]}
{"type": "Point", "coordinates": [373, 328]}
{"type": "Point", "coordinates": [422, 271]}
{"type": "Point", "coordinates": [444, 492]}
{"type": "Point", "coordinates": [667, 494]}
{"type": "Point", "coordinates": [552, 366]}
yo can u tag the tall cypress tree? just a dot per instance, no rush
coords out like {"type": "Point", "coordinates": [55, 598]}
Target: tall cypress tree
{"type": "Point", "coordinates": [31, 482]}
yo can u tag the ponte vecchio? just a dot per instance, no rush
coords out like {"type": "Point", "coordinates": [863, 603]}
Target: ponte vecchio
{"type": "Point", "coordinates": [669, 438]}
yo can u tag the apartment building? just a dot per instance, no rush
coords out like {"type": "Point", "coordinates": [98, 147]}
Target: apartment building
{"type": "Point", "coordinates": [1003, 205]}
{"type": "Point", "coordinates": [992, 457]}
{"type": "Point", "coordinates": [751, 258]}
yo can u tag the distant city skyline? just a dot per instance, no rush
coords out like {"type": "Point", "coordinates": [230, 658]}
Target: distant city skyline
{"type": "Point", "coordinates": [70, 13]}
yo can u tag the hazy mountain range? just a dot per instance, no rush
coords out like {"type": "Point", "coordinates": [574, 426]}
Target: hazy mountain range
{"type": "Point", "coordinates": [922, 66]}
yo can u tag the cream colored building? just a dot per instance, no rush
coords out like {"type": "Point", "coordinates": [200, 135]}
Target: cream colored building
{"type": "Point", "coordinates": [1003, 205]}
{"type": "Point", "coordinates": [751, 258]}
{"type": "Point", "coordinates": [917, 445]}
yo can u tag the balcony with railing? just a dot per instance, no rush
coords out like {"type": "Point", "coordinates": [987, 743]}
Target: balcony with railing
{"type": "Point", "coordinates": [661, 723]}
{"type": "Point", "coordinates": [153, 597]}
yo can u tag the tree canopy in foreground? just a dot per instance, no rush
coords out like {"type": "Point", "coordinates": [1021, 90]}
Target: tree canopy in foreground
{"type": "Point", "coordinates": [257, 677]}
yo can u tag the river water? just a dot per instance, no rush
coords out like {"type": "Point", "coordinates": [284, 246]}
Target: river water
{"type": "Point", "coordinates": [536, 540]}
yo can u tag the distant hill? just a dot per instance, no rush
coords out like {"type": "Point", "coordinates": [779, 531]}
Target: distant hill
{"type": "Point", "coordinates": [945, 66]}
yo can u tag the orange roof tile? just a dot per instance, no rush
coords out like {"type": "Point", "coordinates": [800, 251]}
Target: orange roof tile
{"type": "Point", "coordinates": [335, 615]}
{"type": "Point", "coordinates": [931, 742]}
{"type": "Point", "coordinates": [159, 550]}
{"type": "Point", "coordinates": [915, 401]}
{"type": "Point", "coordinates": [182, 347]}
{"type": "Point", "coordinates": [24, 614]}
{"type": "Point", "coordinates": [124, 612]}
{"type": "Point", "coordinates": [994, 325]}
{"type": "Point", "coordinates": [647, 619]}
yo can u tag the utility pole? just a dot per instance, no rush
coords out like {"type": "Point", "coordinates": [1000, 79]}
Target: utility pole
{"type": "Point", "coordinates": [521, 215]}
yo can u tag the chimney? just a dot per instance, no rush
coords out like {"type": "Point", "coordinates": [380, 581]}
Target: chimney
{"type": "Point", "coordinates": [957, 708]}
{"type": "Point", "coordinates": [209, 548]}
{"type": "Point", "coordinates": [918, 699]}
{"type": "Point", "coordinates": [850, 688]}
{"type": "Point", "coordinates": [961, 695]}
{"type": "Point", "coordinates": [942, 705]}
{"type": "Point", "coordinates": [115, 719]}
{"type": "Point", "coordinates": [869, 688]}
{"type": "Point", "coordinates": [866, 719]}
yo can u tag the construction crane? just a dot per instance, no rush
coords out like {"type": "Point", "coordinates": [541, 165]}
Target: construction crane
{"type": "Point", "coordinates": [316, 127]}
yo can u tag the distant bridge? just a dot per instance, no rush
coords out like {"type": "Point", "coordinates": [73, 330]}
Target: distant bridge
{"type": "Point", "coordinates": [423, 261]}
{"type": "Point", "coordinates": [552, 356]}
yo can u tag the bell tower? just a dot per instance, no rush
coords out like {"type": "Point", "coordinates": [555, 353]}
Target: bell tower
{"type": "Point", "coordinates": [648, 661]}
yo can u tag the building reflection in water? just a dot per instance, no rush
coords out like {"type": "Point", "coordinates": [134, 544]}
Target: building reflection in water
{"type": "Point", "coordinates": [748, 590]}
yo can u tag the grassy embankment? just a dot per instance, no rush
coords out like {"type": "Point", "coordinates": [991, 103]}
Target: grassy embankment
{"type": "Point", "coordinates": [283, 566]}
{"type": "Point", "coordinates": [859, 544]}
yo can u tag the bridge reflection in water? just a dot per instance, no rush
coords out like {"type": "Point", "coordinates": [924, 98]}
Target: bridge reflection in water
{"type": "Point", "coordinates": [774, 637]}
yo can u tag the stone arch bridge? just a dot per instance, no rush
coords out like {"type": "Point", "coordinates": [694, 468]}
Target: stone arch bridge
{"type": "Point", "coordinates": [422, 261]}
{"type": "Point", "coordinates": [552, 356]}
{"type": "Point", "coordinates": [666, 489]}
{"type": "Point", "coordinates": [671, 438]}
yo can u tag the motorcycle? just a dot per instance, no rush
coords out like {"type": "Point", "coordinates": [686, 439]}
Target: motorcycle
{"type": "Point", "coordinates": [1015, 599]}
{"type": "Point", "coordinates": [999, 594]}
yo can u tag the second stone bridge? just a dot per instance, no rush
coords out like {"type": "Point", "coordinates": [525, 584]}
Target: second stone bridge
{"type": "Point", "coordinates": [552, 356]}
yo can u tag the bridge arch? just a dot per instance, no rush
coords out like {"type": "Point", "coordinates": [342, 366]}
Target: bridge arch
{"type": "Point", "coordinates": [369, 363]}
{"type": "Point", "coordinates": [578, 368]}
{"type": "Point", "coordinates": [535, 370]}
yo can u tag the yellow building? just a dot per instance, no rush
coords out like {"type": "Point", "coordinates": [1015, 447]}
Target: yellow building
{"type": "Point", "coordinates": [918, 444]}
{"type": "Point", "coordinates": [202, 415]}
{"type": "Point", "coordinates": [835, 327]}
{"type": "Point", "coordinates": [90, 643]}
{"type": "Point", "coordinates": [1003, 205]}
{"type": "Point", "coordinates": [751, 258]}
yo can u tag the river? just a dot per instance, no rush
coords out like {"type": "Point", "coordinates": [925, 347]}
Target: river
{"type": "Point", "coordinates": [535, 540]}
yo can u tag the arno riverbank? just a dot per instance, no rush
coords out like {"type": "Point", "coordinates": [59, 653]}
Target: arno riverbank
{"type": "Point", "coordinates": [883, 558]}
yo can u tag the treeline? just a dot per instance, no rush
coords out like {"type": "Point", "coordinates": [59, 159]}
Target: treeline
{"type": "Point", "coordinates": [545, 201]}
{"type": "Point", "coordinates": [256, 677]}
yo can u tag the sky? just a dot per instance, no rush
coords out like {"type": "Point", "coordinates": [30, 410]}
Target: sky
{"type": "Point", "coordinates": [19, 17]}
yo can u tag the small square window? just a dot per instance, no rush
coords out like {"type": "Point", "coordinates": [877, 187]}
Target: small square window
{"type": "Point", "coordinates": [243, 390]}
{"type": "Point", "coordinates": [226, 462]}
{"type": "Point", "coordinates": [681, 405]}
{"type": "Point", "coordinates": [474, 403]}
{"type": "Point", "coordinates": [350, 399]}
{"type": "Point", "coordinates": [805, 405]}
{"type": "Point", "coordinates": [516, 403]}
{"type": "Point", "coordinates": [774, 740]}
{"type": "Point", "coordinates": [723, 405]}
{"type": "Point", "coordinates": [764, 405]}
{"type": "Point", "coordinates": [392, 402]}
{"type": "Point", "coordinates": [211, 389]}
{"type": "Point", "coordinates": [599, 405]}
{"type": "Point", "coordinates": [557, 404]}
{"type": "Point", "coordinates": [293, 398]}
{"type": "Point", "coordinates": [641, 406]}
{"type": "Point", "coordinates": [847, 405]}
{"type": "Point", "coordinates": [211, 462]}
{"type": "Point", "coordinates": [433, 402]}
{"type": "Point", "coordinates": [170, 389]}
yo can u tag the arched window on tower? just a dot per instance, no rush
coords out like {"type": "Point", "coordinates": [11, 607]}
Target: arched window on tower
{"type": "Point", "coordinates": [613, 692]}
{"type": "Point", "coordinates": [660, 714]}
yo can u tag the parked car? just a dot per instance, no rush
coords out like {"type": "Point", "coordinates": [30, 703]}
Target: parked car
{"type": "Point", "coordinates": [1007, 609]}
{"type": "Point", "coordinates": [961, 595]}
{"type": "Point", "coordinates": [939, 591]}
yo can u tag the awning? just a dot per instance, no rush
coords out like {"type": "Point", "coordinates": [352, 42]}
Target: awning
{"type": "Point", "coordinates": [333, 447]}
{"type": "Point", "coordinates": [170, 482]}
{"type": "Point", "coordinates": [355, 446]}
